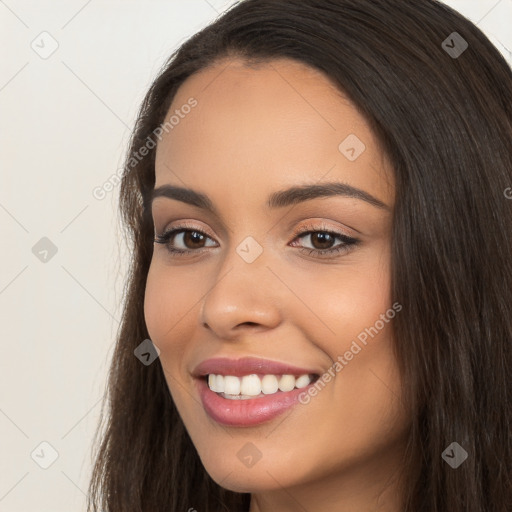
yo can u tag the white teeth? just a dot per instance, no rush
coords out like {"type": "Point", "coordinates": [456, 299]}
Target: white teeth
{"type": "Point", "coordinates": [287, 383]}
{"type": "Point", "coordinates": [231, 385]}
{"type": "Point", "coordinates": [235, 397]}
{"type": "Point", "coordinates": [219, 383]}
{"type": "Point", "coordinates": [269, 384]}
{"type": "Point", "coordinates": [302, 381]}
{"type": "Point", "coordinates": [249, 386]}
{"type": "Point", "coordinates": [211, 382]}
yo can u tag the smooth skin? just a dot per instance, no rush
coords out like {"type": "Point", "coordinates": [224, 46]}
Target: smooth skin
{"type": "Point", "coordinates": [254, 131]}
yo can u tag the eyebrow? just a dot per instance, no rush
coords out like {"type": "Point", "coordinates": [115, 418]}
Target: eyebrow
{"type": "Point", "coordinates": [279, 199]}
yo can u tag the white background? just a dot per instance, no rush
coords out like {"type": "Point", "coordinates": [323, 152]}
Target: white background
{"type": "Point", "coordinates": [65, 122]}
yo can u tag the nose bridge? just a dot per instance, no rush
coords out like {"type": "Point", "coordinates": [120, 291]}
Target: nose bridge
{"type": "Point", "coordinates": [243, 289]}
{"type": "Point", "coordinates": [243, 270]}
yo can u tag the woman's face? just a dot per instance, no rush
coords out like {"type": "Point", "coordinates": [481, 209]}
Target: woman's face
{"type": "Point", "coordinates": [253, 287]}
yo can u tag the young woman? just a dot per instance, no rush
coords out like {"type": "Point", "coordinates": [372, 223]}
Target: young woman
{"type": "Point", "coordinates": [319, 308]}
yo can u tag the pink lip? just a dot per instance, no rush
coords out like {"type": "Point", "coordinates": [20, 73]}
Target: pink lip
{"type": "Point", "coordinates": [253, 411]}
{"type": "Point", "coordinates": [248, 365]}
{"type": "Point", "coordinates": [246, 413]}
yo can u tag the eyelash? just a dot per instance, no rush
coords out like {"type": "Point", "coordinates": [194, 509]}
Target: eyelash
{"type": "Point", "coordinates": [347, 241]}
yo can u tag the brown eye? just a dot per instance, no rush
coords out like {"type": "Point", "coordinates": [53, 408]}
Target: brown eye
{"type": "Point", "coordinates": [191, 240]}
{"type": "Point", "coordinates": [321, 240]}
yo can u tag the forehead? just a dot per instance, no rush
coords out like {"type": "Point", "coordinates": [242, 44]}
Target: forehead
{"type": "Point", "coordinates": [258, 128]}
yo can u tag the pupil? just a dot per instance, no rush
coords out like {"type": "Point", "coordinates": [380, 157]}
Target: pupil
{"type": "Point", "coordinates": [326, 236]}
{"type": "Point", "coordinates": [194, 235]}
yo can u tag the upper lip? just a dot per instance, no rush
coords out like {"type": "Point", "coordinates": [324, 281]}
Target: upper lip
{"type": "Point", "coordinates": [246, 366]}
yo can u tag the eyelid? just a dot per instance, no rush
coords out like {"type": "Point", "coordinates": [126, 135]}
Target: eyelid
{"type": "Point", "coordinates": [312, 225]}
{"type": "Point", "coordinates": [184, 225]}
{"type": "Point", "coordinates": [299, 232]}
{"type": "Point", "coordinates": [347, 245]}
{"type": "Point", "coordinates": [167, 217]}
{"type": "Point", "coordinates": [320, 225]}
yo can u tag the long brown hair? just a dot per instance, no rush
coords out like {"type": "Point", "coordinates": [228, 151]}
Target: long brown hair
{"type": "Point", "coordinates": [443, 113]}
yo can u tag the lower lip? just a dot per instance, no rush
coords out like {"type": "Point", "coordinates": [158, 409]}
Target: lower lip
{"type": "Point", "coordinates": [252, 411]}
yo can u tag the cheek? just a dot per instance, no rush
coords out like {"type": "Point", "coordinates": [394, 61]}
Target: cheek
{"type": "Point", "coordinates": [166, 313]}
{"type": "Point", "coordinates": [353, 319]}
{"type": "Point", "coordinates": [165, 308]}
{"type": "Point", "coordinates": [155, 302]}
{"type": "Point", "coordinates": [344, 302]}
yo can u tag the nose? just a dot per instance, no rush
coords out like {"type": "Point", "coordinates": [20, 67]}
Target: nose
{"type": "Point", "coordinates": [244, 295]}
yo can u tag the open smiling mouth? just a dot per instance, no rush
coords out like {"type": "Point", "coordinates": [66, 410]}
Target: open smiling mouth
{"type": "Point", "coordinates": [256, 386]}
{"type": "Point", "coordinates": [251, 399]}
